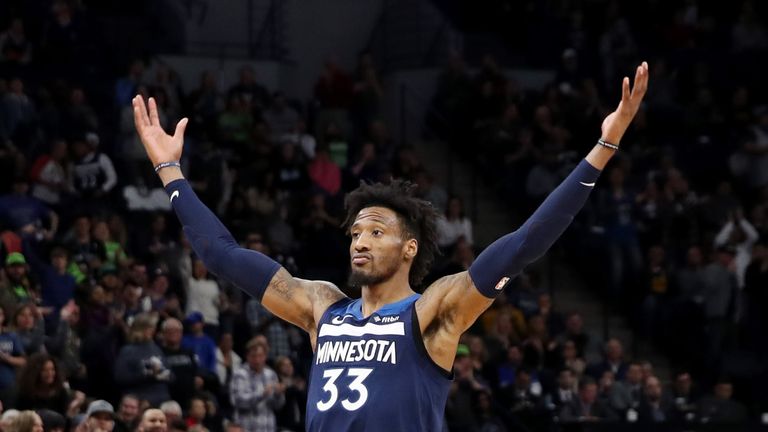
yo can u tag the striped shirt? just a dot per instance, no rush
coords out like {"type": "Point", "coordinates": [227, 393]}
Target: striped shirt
{"type": "Point", "coordinates": [254, 410]}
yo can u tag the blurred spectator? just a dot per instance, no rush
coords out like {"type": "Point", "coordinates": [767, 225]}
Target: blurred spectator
{"type": "Point", "coordinates": [14, 45]}
{"type": "Point", "coordinates": [153, 420]}
{"type": "Point", "coordinates": [87, 252]}
{"type": "Point", "coordinates": [719, 291]}
{"type": "Point", "coordinates": [227, 360]}
{"type": "Point", "coordinates": [367, 93]}
{"type": "Point", "coordinates": [291, 416]}
{"type": "Point", "coordinates": [719, 408]}
{"type": "Point", "coordinates": [250, 91]}
{"type": "Point", "coordinates": [613, 360]}
{"type": "Point", "coordinates": [460, 411]}
{"type": "Point", "coordinates": [140, 367]}
{"type": "Point", "coordinates": [564, 393]}
{"type": "Point", "coordinates": [575, 332]}
{"type": "Point", "coordinates": [79, 116]}
{"type": "Point", "coordinates": [42, 386]}
{"type": "Point", "coordinates": [198, 342]}
{"type": "Point", "coordinates": [173, 412]}
{"type": "Point", "coordinates": [586, 407]}
{"type": "Point", "coordinates": [299, 137]}
{"type": "Point", "coordinates": [57, 285]}
{"type": "Point", "coordinates": [206, 101]}
{"type": "Point", "coordinates": [181, 361]}
{"type": "Point", "coordinates": [24, 213]}
{"type": "Point", "coordinates": [28, 324]}
{"type": "Point", "coordinates": [334, 87]}
{"type": "Point", "coordinates": [50, 175]}
{"type": "Point", "coordinates": [454, 225]}
{"type": "Point", "coordinates": [364, 167]}
{"type": "Point", "coordinates": [52, 420]}
{"type": "Point", "coordinates": [18, 115]}
{"type": "Point", "coordinates": [654, 407]}
{"type": "Point", "coordinates": [16, 285]}
{"type": "Point", "coordinates": [234, 124]}
{"type": "Point", "coordinates": [65, 343]}
{"type": "Point", "coordinates": [114, 251]}
{"type": "Point", "coordinates": [256, 392]}
{"type": "Point", "coordinates": [281, 117]}
{"type": "Point", "coordinates": [99, 417]}
{"type": "Point", "coordinates": [684, 398]}
{"type": "Point", "coordinates": [127, 417]}
{"type": "Point", "coordinates": [740, 235]}
{"type": "Point", "coordinates": [26, 421]}
{"type": "Point", "coordinates": [325, 174]}
{"type": "Point", "coordinates": [93, 174]}
{"type": "Point", "coordinates": [126, 87]}
{"type": "Point", "coordinates": [523, 400]}
{"type": "Point", "coordinates": [627, 394]}
{"type": "Point", "coordinates": [204, 296]}
{"type": "Point", "coordinates": [262, 321]}
{"type": "Point", "coordinates": [12, 357]}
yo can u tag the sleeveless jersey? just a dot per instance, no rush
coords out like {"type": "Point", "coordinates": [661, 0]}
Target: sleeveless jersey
{"type": "Point", "coordinates": [374, 374]}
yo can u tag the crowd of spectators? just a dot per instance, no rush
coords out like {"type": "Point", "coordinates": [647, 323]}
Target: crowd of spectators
{"type": "Point", "coordinates": [674, 235]}
{"type": "Point", "coordinates": [103, 303]}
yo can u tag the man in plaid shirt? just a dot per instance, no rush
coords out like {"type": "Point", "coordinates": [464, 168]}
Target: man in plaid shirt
{"type": "Point", "coordinates": [256, 392]}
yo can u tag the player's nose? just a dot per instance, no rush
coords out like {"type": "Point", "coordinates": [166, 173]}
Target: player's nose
{"type": "Point", "coordinates": [361, 244]}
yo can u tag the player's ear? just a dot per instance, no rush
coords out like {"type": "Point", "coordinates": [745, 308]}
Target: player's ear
{"type": "Point", "coordinates": [411, 248]}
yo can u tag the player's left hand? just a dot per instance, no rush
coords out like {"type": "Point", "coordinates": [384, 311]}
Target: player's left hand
{"type": "Point", "coordinates": [160, 146]}
{"type": "Point", "coordinates": [618, 121]}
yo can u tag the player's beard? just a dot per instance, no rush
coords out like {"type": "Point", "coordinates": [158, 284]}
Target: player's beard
{"type": "Point", "coordinates": [359, 278]}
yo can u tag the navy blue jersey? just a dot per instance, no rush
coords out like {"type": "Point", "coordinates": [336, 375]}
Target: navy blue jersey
{"type": "Point", "coordinates": [374, 374]}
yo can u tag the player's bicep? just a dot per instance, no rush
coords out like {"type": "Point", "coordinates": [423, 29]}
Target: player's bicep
{"type": "Point", "coordinates": [298, 301]}
{"type": "Point", "coordinates": [288, 299]}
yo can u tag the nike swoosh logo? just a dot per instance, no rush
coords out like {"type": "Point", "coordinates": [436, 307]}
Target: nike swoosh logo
{"type": "Point", "coordinates": [588, 184]}
{"type": "Point", "coordinates": [174, 195]}
{"type": "Point", "coordinates": [339, 319]}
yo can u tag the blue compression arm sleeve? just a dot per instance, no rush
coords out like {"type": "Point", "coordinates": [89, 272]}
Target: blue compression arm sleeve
{"type": "Point", "coordinates": [251, 271]}
{"type": "Point", "coordinates": [506, 257]}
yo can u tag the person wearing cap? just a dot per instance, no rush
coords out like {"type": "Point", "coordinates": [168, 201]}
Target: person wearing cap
{"type": "Point", "coordinates": [52, 420]}
{"type": "Point", "coordinates": [18, 286]}
{"type": "Point", "coordinates": [100, 417]}
{"type": "Point", "coordinates": [199, 342]}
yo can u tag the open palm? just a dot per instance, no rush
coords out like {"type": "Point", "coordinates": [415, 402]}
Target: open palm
{"type": "Point", "coordinates": [160, 146]}
{"type": "Point", "coordinates": [617, 122]}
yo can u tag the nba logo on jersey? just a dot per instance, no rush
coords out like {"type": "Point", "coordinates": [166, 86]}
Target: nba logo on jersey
{"type": "Point", "coordinates": [502, 283]}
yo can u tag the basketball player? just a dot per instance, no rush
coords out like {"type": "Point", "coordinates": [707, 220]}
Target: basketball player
{"type": "Point", "coordinates": [382, 362]}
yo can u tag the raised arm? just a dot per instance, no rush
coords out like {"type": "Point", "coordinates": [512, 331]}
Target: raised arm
{"type": "Point", "coordinates": [297, 301]}
{"type": "Point", "coordinates": [453, 303]}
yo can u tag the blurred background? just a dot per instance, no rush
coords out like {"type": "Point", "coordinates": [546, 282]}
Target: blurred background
{"type": "Point", "coordinates": [650, 313]}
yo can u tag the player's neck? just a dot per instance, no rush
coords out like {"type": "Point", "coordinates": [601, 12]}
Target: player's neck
{"type": "Point", "coordinates": [392, 290]}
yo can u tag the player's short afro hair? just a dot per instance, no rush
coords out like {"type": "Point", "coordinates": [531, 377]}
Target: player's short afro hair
{"type": "Point", "coordinates": [418, 218]}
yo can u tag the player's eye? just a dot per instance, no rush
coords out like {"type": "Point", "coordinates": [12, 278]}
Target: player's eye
{"type": "Point", "coordinates": [377, 232]}
{"type": "Point", "coordinates": [355, 235]}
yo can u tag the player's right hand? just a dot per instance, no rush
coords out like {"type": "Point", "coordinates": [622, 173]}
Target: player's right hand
{"type": "Point", "coordinates": [160, 146]}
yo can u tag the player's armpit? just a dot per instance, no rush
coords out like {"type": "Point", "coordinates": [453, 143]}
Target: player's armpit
{"type": "Point", "coordinates": [447, 309]}
{"type": "Point", "coordinates": [453, 301]}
